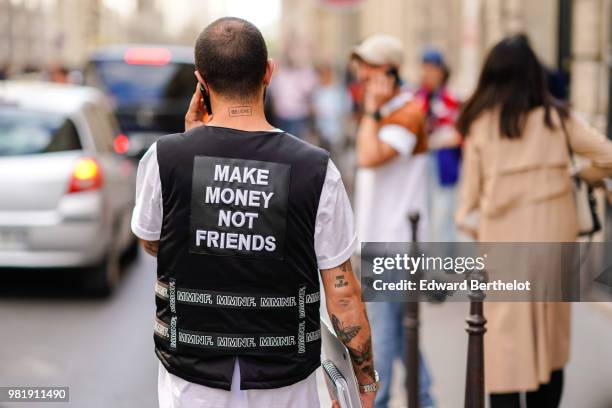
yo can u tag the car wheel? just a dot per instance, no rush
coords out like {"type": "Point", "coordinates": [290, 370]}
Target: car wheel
{"type": "Point", "coordinates": [107, 274]}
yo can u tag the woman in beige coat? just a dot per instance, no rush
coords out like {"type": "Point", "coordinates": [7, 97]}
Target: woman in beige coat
{"type": "Point", "coordinates": [515, 177]}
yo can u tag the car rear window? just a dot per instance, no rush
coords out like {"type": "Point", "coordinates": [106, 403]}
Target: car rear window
{"type": "Point", "coordinates": [25, 132]}
{"type": "Point", "coordinates": [135, 84]}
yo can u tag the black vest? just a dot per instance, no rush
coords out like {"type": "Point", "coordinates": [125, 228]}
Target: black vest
{"type": "Point", "coordinates": [237, 274]}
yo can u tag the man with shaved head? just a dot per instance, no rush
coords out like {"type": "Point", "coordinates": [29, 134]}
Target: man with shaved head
{"type": "Point", "coordinates": [243, 218]}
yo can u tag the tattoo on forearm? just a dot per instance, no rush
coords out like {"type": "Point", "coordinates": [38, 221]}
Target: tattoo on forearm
{"type": "Point", "coordinates": [362, 357]}
{"type": "Point", "coordinates": [344, 333]}
{"type": "Point", "coordinates": [361, 354]}
{"type": "Point", "coordinates": [344, 302]}
{"type": "Point", "coordinates": [360, 348]}
{"type": "Point", "coordinates": [340, 282]}
{"type": "Point", "coordinates": [240, 111]}
{"type": "Point", "coordinates": [368, 370]}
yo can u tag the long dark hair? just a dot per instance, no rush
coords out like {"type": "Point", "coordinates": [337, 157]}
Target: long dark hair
{"type": "Point", "coordinates": [513, 80]}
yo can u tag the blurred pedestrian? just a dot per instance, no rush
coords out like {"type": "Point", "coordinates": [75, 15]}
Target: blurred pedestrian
{"type": "Point", "coordinates": [242, 217]}
{"type": "Point", "coordinates": [331, 105]}
{"type": "Point", "coordinates": [58, 73]}
{"type": "Point", "coordinates": [441, 109]}
{"type": "Point", "coordinates": [355, 88]}
{"type": "Point", "coordinates": [516, 183]}
{"type": "Point", "coordinates": [390, 185]}
{"type": "Point", "coordinates": [291, 95]}
{"type": "Point", "coordinates": [4, 71]}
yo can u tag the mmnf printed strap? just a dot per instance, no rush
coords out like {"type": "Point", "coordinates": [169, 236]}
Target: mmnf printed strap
{"type": "Point", "coordinates": [301, 319]}
{"type": "Point", "coordinates": [226, 341]}
{"type": "Point", "coordinates": [230, 299]}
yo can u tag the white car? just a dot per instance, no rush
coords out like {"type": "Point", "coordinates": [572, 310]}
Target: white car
{"type": "Point", "coordinates": [66, 194]}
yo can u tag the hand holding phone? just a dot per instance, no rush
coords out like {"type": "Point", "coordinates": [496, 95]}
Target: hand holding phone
{"type": "Point", "coordinates": [197, 114]}
{"type": "Point", "coordinates": [378, 90]}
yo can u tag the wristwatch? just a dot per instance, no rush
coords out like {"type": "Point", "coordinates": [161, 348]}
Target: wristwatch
{"type": "Point", "coordinates": [372, 387]}
{"type": "Point", "coordinates": [375, 115]}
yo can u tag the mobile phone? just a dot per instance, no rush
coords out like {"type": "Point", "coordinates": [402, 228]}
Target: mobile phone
{"type": "Point", "coordinates": [205, 98]}
{"type": "Point", "coordinates": [394, 73]}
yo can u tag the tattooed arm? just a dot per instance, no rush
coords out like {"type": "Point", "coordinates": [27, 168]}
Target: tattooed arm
{"type": "Point", "coordinates": [348, 315]}
{"type": "Point", "coordinates": [150, 247]}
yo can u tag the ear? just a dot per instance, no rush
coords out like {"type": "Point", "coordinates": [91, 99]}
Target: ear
{"type": "Point", "coordinates": [270, 66]}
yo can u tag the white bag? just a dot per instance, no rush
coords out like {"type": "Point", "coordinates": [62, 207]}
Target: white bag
{"type": "Point", "coordinates": [586, 207]}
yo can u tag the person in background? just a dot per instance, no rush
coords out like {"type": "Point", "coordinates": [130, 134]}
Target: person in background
{"type": "Point", "coordinates": [355, 88]}
{"type": "Point", "coordinates": [441, 108]}
{"type": "Point", "coordinates": [390, 185]}
{"type": "Point", "coordinates": [291, 97]}
{"type": "Point", "coordinates": [331, 104]}
{"type": "Point", "coordinates": [4, 72]}
{"type": "Point", "coordinates": [58, 74]}
{"type": "Point", "coordinates": [516, 183]}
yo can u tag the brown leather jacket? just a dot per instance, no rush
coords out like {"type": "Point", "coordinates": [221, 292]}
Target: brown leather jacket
{"type": "Point", "coordinates": [410, 116]}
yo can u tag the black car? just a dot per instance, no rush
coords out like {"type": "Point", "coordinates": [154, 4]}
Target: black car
{"type": "Point", "coordinates": [150, 85]}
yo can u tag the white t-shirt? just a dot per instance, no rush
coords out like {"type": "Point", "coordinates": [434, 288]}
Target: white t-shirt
{"type": "Point", "coordinates": [334, 241]}
{"type": "Point", "coordinates": [385, 195]}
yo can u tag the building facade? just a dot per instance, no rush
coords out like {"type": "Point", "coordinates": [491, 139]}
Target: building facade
{"type": "Point", "coordinates": [572, 35]}
{"type": "Point", "coordinates": [21, 26]}
{"type": "Point", "coordinates": [38, 33]}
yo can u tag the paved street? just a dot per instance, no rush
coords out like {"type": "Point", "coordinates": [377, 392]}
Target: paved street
{"type": "Point", "coordinates": [588, 377]}
{"type": "Point", "coordinates": [103, 349]}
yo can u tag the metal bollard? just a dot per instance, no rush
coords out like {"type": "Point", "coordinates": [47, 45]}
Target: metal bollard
{"type": "Point", "coordinates": [474, 377]}
{"type": "Point", "coordinates": [411, 327]}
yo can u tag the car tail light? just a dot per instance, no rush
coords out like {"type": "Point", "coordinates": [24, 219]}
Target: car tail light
{"type": "Point", "coordinates": [121, 144]}
{"type": "Point", "coordinates": [86, 175]}
{"type": "Point", "coordinates": [147, 56]}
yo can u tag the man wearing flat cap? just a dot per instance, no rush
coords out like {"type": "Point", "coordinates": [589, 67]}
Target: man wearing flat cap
{"type": "Point", "coordinates": [390, 184]}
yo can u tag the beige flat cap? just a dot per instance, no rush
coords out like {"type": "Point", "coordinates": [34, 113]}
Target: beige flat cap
{"type": "Point", "coordinates": [380, 49]}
